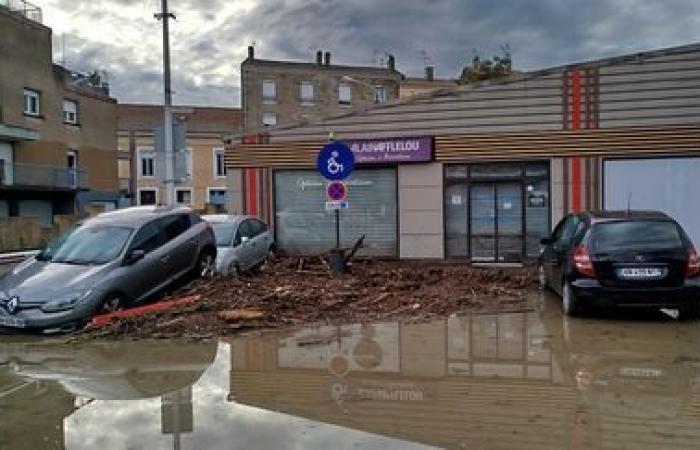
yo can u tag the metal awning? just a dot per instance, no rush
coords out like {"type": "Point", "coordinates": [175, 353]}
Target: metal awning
{"type": "Point", "coordinates": [17, 133]}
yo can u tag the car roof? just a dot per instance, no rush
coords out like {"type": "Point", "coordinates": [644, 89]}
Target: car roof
{"type": "Point", "coordinates": [136, 216]}
{"type": "Point", "coordinates": [624, 214]}
{"type": "Point", "coordinates": [235, 218]}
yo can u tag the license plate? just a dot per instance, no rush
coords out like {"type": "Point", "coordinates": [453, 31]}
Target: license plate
{"type": "Point", "coordinates": [641, 372]}
{"type": "Point", "coordinates": [640, 273]}
{"type": "Point", "coordinates": [12, 322]}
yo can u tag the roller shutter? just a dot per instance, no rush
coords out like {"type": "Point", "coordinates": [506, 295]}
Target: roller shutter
{"type": "Point", "coordinates": [303, 226]}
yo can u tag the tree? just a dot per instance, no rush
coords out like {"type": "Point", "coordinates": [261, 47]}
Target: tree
{"type": "Point", "coordinates": [486, 69]}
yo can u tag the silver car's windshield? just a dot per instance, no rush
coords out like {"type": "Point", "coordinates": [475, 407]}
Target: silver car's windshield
{"type": "Point", "coordinates": [87, 245]}
{"type": "Point", "coordinates": [224, 233]}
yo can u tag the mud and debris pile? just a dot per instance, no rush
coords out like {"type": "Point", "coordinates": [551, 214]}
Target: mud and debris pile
{"type": "Point", "coordinates": [295, 291]}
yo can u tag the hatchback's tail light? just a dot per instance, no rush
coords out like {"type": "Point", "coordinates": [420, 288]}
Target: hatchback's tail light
{"type": "Point", "coordinates": [693, 267]}
{"type": "Point", "coordinates": [582, 262]}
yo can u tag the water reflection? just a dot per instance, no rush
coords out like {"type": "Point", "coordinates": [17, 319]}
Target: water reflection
{"type": "Point", "coordinates": [517, 380]}
{"type": "Point", "coordinates": [520, 380]}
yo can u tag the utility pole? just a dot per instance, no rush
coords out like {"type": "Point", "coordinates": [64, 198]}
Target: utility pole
{"type": "Point", "coordinates": [165, 16]}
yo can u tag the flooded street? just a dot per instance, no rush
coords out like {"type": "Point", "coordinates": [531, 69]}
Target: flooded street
{"type": "Point", "coordinates": [479, 381]}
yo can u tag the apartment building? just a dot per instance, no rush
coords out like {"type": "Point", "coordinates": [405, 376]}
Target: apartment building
{"type": "Point", "coordinates": [202, 131]}
{"type": "Point", "coordinates": [413, 86]}
{"type": "Point", "coordinates": [281, 93]}
{"type": "Point", "coordinates": [57, 127]}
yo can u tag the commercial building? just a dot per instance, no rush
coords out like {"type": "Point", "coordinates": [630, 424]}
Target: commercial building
{"type": "Point", "coordinates": [204, 131]}
{"type": "Point", "coordinates": [506, 160]}
{"type": "Point", "coordinates": [57, 127]}
{"type": "Point", "coordinates": [282, 93]}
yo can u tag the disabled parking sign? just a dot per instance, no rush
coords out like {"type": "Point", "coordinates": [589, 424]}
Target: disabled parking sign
{"type": "Point", "coordinates": [335, 161]}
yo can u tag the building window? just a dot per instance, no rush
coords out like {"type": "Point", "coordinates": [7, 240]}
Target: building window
{"type": "Point", "coordinates": [148, 196]}
{"type": "Point", "coordinates": [70, 112]}
{"type": "Point", "coordinates": [147, 162]}
{"type": "Point", "coordinates": [344, 95]}
{"type": "Point", "coordinates": [307, 92]}
{"type": "Point", "coordinates": [72, 164]}
{"type": "Point", "coordinates": [219, 165]}
{"type": "Point", "coordinates": [269, 91]}
{"type": "Point", "coordinates": [183, 196]}
{"type": "Point", "coordinates": [31, 102]}
{"type": "Point", "coordinates": [216, 196]}
{"type": "Point", "coordinates": [269, 119]}
{"type": "Point", "coordinates": [379, 94]}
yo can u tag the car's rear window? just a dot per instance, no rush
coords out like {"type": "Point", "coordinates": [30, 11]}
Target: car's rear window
{"type": "Point", "coordinates": [645, 235]}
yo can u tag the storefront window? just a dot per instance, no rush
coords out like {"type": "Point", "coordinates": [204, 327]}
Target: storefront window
{"type": "Point", "coordinates": [484, 171]}
{"type": "Point", "coordinates": [455, 171]}
{"type": "Point", "coordinates": [496, 212]}
{"type": "Point", "coordinates": [536, 215]}
{"type": "Point", "coordinates": [456, 229]}
{"type": "Point", "coordinates": [537, 170]}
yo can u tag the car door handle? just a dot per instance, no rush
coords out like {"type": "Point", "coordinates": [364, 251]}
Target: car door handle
{"type": "Point", "coordinates": [165, 259]}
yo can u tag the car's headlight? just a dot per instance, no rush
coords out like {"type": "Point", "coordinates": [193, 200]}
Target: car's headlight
{"type": "Point", "coordinates": [66, 303]}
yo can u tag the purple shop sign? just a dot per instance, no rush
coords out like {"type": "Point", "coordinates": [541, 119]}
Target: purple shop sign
{"type": "Point", "coordinates": [392, 150]}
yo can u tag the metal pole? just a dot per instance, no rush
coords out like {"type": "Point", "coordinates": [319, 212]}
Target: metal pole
{"type": "Point", "coordinates": [167, 106]}
{"type": "Point", "coordinates": [337, 229]}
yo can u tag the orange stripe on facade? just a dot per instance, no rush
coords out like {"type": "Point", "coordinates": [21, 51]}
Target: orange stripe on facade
{"type": "Point", "coordinates": [252, 192]}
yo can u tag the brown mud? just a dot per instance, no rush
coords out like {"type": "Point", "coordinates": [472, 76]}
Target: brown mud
{"type": "Point", "coordinates": [297, 292]}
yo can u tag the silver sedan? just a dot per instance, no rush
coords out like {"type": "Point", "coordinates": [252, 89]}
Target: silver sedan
{"type": "Point", "coordinates": [243, 242]}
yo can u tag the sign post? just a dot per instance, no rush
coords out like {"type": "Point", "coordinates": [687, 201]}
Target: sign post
{"type": "Point", "coordinates": [335, 162]}
{"type": "Point", "coordinates": [336, 192]}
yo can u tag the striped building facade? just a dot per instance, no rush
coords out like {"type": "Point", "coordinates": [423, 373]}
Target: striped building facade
{"type": "Point", "coordinates": [584, 121]}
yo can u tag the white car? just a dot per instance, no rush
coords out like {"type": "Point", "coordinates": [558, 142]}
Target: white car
{"type": "Point", "coordinates": [243, 242]}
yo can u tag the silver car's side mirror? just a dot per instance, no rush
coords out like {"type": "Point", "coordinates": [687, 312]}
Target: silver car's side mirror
{"type": "Point", "coordinates": [244, 239]}
{"type": "Point", "coordinates": [134, 256]}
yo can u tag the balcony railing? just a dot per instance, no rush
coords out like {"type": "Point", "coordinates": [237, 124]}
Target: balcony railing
{"type": "Point", "coordinates": [27, 9]}
{"type": "Point", "coordinates": [44, 176]}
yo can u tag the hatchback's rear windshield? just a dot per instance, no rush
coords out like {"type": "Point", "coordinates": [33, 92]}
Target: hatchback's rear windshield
{"type": "Point", "coordinates": [636, 236]}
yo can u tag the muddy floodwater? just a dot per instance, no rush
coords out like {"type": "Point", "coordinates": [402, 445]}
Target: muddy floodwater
{"type": "Point", "coordinates": [520, 380]}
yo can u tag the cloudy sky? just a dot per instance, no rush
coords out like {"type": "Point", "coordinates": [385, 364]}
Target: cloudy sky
{"type": "Point", "coordinates": [210, 37]}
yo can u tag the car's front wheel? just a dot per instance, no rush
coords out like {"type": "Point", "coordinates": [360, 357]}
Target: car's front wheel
{"type": "Point", "coordinates": [206, 265]}
{"type": "Point", "coordinates": [570, 303]}
{"type": "Point", "coordinates": [233, 270]}
{"type": "Point", "coordinates": [112, 303]}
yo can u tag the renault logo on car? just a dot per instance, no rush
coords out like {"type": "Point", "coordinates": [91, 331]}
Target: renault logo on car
{"type": "Point", "coordinates": [639, 258]}
{"type": "Point", "coordinates": [11, 305]}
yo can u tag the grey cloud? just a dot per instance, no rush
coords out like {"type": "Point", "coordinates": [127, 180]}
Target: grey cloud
{"type": "Point", "coordinates": [540, 33]}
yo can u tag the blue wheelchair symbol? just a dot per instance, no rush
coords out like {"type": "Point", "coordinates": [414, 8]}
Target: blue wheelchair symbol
{"type": "Point", "coordinates": [335, 161]}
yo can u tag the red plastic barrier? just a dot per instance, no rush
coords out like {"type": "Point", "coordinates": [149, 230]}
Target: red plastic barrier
{"type": "Point", "coordinates": [106, 319]}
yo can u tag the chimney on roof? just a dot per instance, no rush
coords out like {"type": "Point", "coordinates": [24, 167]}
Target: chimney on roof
{"type": "Point", "coordinates": [429, 73]}
{"type": "Point", "coordinates": [319, 58]}
{"type": "Point", "coordinates": [251, 52]}
{"type": "Point", "coordinates": [327, 59]}
{"type": "Point", "coordinates": [391, 63]}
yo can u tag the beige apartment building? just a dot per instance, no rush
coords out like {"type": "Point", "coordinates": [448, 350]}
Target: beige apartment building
{"type": "Point", "coordinates": [204, 131]}
{"type": "Point", "coordinates": [281, 93]}
{"type": "Point", "coordinates": [413, 86]}
{"type": "Point", "coordinates": [57, 127]}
